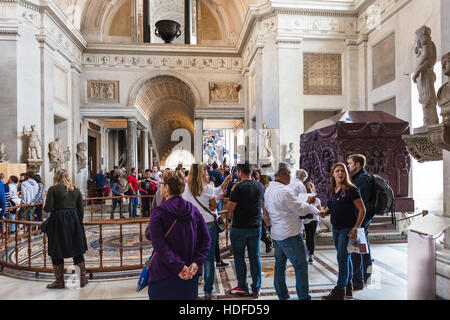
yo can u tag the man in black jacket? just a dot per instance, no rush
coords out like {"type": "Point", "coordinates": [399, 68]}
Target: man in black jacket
{"type": "Point", "coordinates": [362, 263]}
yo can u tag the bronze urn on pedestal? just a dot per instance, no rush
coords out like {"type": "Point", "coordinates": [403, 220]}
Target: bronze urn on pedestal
{"type": "Point", "coordinates": [167, 30]}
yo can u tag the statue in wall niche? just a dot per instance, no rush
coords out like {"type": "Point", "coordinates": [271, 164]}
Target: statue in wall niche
{"type": "Point", "coordinates": [34, 143]}
{"type": "Point", "coordinates": [58, 157]}
{"type": "Point", "coordinates": [81, 156]}
{"type": "Point", "coordinates": [2, 152]}
{"type": "Point", "coordinates": [266, 138]}
{"type": "Point", "coordinates": [424, 75]}
{"type": "Point", "coordinates": [291, 154]}
{"type": "Point", "coordinates": [443, 94]}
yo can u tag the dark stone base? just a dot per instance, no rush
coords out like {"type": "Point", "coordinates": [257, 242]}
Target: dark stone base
{"type": "Point", "coordinates": [404, 204]}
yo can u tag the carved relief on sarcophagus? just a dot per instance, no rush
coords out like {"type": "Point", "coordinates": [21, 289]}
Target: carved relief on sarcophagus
{"type": "Point", "coordinates": [103, 90]}
{"type": "Point", "coordinates": [322, 74]}
{"type": "Point", "coordinates": [224, 92]}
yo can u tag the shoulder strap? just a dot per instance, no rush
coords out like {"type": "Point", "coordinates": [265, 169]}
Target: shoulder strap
{"type": "Point", "coordinates": [170, 229]}
{"type": "Point", "coordinates": [206, 209]}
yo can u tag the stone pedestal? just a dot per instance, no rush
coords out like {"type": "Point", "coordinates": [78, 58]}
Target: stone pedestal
{"type": "Point", "coordinates": [12, 169]}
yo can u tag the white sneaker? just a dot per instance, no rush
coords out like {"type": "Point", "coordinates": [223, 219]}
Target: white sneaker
{"type": "Point", "coordinates": [310, 258]}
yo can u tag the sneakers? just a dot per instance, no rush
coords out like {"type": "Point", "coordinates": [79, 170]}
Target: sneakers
{"type": "Point", "coordinates": [208, 296]}
{"type": "Point", "coordinates": [238, 291]}
{"type": "Point", "coordinates": [335, 294]}
{"type": "Point", "coordinates": [310, 258]}
{"type": "Point", "coordinates": [358, 286]}
{"type": "Point", "coordinates": [221, 264]}
{"type": "Point", "coordinates": [256, 295]}
{"type": "Point", "coordinates": [349, 292]}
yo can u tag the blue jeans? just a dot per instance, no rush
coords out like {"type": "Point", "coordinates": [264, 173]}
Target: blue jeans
{"type": "Point", "coordinates": [208, 272]}
{"type": "Point", "coordinates": [362, 263]}
{"type": "Point", "coordinates": [133, 201]}
{"type": "Point", "coordinates": [340, 239]}
{"type": "Point", "coordinates": [12, 216]}
{"type": "Point", "coordinates": [291, 248]}
{"type": "Point", "coordinates": [241, 238]}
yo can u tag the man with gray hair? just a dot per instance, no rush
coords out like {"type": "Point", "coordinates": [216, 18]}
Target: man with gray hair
{"type": "Point", "coordinates": [297, 184]}
{"type": "Point", "coordinates": [285, 210]}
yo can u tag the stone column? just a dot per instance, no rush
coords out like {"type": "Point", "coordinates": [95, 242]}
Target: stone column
{"type": "Point", "coordinates": [151, 157]}
{"type": "Point", "coordinates": [352, 74]}
{"type": "Point", "coordinates": [443, 254]}
{"type": "Point", "coordinates": [131, 143]}
{"type": "Point", "coordinates": [290, 108]}
{"type": "Point", "coordinates": [363, 74]}
{"type": "Point", "coordinates": [198, 140]}
{"type": "Point", "coordinates": [144, 148]}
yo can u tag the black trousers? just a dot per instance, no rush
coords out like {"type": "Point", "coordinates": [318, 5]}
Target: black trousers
{"type": "Point", "coordinates": [145, 207]}
{"type": "Point", "coordinates": [76, 260]}
{"type": "Point", "coordinates": [310, 231]}
{"type": "Point", "coordinates": [264, 235]}
{"type": "Point", "coordinates": [217, 250]}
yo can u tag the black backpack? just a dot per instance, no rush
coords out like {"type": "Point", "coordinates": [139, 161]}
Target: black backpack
{"type": "Point", "coordinates": [383, 200]}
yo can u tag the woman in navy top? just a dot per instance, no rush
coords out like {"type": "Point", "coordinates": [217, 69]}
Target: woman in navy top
{"type": "Point", "coordinates": [347, 212]}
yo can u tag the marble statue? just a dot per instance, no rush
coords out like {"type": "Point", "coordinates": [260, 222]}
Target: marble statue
{"type": "Point", "coordinates": [424, 75]}
{"type": "Point", "coordinates": [291, 154]}
{"type": "Point", "coordinates": [266, 137]}
{"type": "Point", "coordinates": [443, 94]}
{"type": "Point", "coordinates": [81, 156]}
{"type": "Point", "coordinates": [2, 152]}
{"type": "Point", "coordinates": [58, 157]}
{"type": "Point", "coordinates": [34, 143]}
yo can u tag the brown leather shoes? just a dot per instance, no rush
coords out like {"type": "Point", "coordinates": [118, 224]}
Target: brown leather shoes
{"type": "Point", "coordinates": [59, 275]}
{"type": "Point", "coordinates": [83, 272]}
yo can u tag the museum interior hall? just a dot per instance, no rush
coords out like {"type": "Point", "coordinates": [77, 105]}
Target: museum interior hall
{"type": "Point", "coordinates": [100, 88]}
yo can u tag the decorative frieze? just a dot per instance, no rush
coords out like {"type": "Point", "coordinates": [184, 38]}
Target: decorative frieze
{"type": "Point", "coordinates": [103, 90]}
{"type": "Point", "coordinates": [224, 92]}
{"type": "Point", "coordinates": [163, 62]}
{"type": "Point", "coordinates": [322, 74]}
{"type": "Point", "coordinates": [327, 25]}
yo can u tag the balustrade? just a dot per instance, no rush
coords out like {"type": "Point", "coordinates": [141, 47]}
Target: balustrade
{"type": "Point", "coordinates": [26, 249]}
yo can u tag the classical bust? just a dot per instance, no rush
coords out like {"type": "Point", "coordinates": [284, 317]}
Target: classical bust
{"type": "Point", "coordinates": [443, 94]}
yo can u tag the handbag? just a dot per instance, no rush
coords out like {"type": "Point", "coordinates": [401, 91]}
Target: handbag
{"type": "Point", "coordinates": [143, 279]}
{"type": "Point", "coordinates": [44, 225]}
{"type": "Point", "coordinates": [220, 224]}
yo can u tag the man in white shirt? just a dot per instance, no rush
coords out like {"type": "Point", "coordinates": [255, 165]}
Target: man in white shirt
{"type": "Point", "coordinates": [29, 189]}
{"type": "Point", "coordinates": [297, 184]}
{"type": "Point", "coordinates": [285, 211]}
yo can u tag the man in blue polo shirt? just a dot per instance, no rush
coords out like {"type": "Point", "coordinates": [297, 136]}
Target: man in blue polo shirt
{"type": "Point", "coordinates": [362, 263]}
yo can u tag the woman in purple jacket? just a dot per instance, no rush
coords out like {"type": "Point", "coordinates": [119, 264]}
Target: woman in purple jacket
{"type": "Point", "coordinates": [178, 258]}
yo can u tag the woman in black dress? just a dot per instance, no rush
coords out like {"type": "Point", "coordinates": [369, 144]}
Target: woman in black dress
{"type": "Point", "coordinates": [64, 228]}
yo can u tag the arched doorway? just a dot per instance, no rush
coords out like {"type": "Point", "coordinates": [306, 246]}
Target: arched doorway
{"type": "Point", "coordinates": [169, 103]}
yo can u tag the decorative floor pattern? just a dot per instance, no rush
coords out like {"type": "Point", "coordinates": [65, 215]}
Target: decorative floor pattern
{"type": "Point", "coordinates": [388, 280]}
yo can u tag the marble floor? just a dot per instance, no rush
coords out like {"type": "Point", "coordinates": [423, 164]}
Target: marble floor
{"type": "Point", "coordinates": [389, 280]}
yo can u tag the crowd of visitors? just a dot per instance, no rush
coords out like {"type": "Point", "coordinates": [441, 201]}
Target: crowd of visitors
{"type": "Point", "coordinates": [186, 207]}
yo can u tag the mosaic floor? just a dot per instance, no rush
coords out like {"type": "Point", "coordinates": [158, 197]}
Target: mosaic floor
{"type": "Point", "coordinates": [389, 281]}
